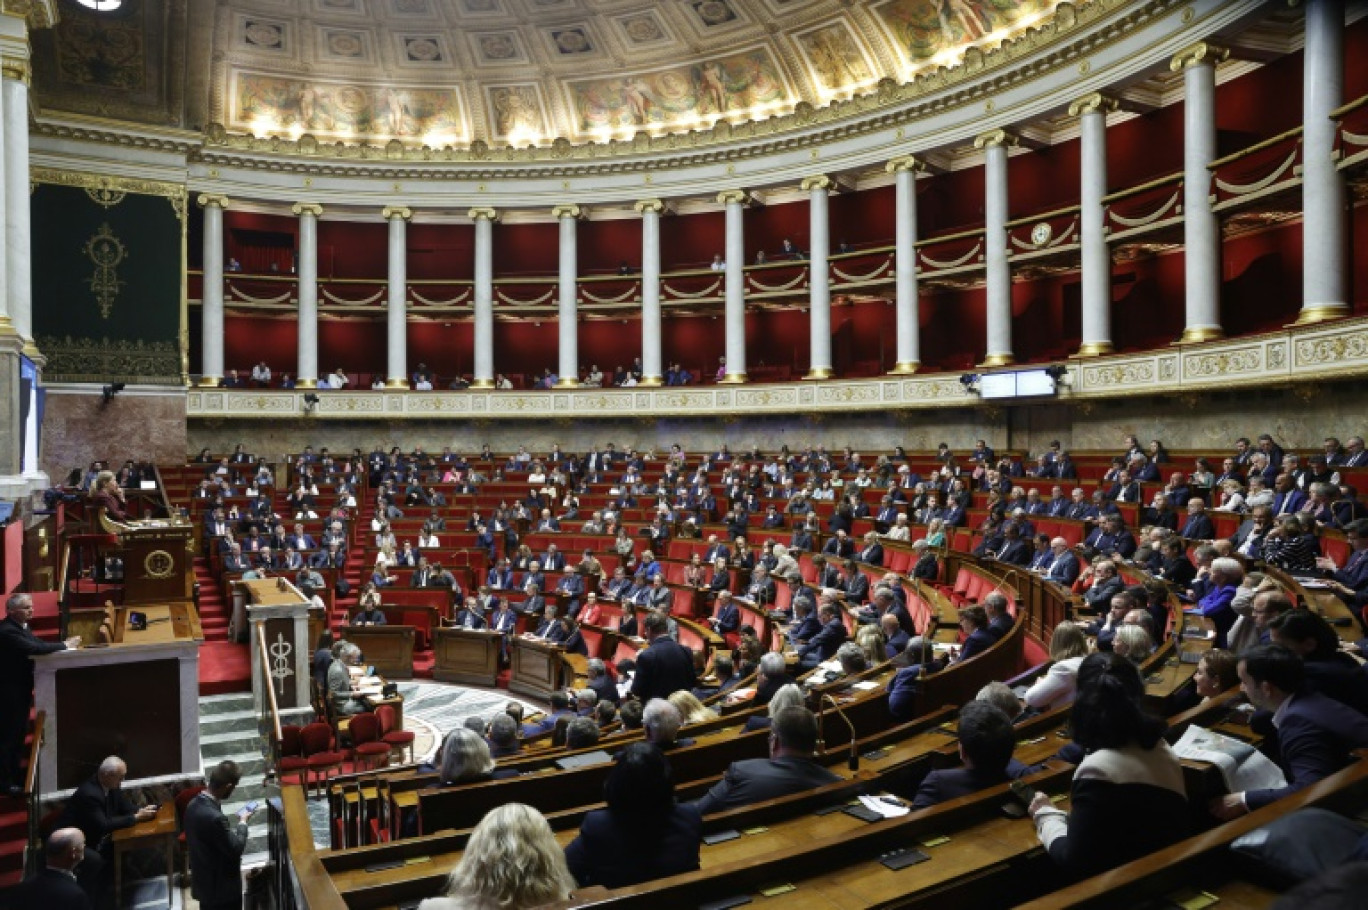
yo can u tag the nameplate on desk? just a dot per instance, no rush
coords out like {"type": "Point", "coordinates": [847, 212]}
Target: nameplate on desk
{"type": "Point", "coordinates": [596, 757]}
{"type": "Point", "coordinates": [721, 837]}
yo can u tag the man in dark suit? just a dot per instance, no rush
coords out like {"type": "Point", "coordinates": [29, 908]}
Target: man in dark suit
{"type": "Point", "coordinates": [1112, 538]}
{"type": "Point", "coordinates": [726, 618]}
{"type": "Point", "coordinates": [18, 647]}
{"type": "Point", "coordinates": [1351, 582]}
{"type": "Point", "coordinates": [1064, 569]}
{"type": "Point", "coordinates": [600, 682]}
{"type": "Point", "coordinates": [790, 767]}
{"type": "Point", "coordinates": [665, 666]}
{"type": "Point", "coordinates": [1316, 734]}
{"type": "Point", "coordinates": [215, 842]}
{"type": "Point", "coordinates": [55, 887]}
{"type": "Point", "coordinates": [1249, 536]}
{"type": "Point", "coordinates": [1198, 525]}
{"type": "Point", "coordinates": [823, 645]}
{"type": "Point", "coordinates": [986, 741]}
{"type": "Point", "coordinates": [1000, 621]}
{"type": "Point", "coordinates": [99, 808]}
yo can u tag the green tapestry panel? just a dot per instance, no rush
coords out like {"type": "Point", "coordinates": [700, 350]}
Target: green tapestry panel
{"type": "Point", "coordinates": [108, 267]}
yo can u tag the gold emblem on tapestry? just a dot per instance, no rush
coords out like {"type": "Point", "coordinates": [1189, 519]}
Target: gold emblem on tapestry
{"type": "Point", "coordinates": [106, 252]}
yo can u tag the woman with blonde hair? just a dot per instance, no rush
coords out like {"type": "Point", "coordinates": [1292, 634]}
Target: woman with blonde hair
{"type": "Point", "coordinates": [511, 862]}
{"type": "Point", "coordinates": [871, 640]}
{"type": "Point", "coordinates": [690, 708]}
{"type": "Point", "coordinates": [935, 533]}
{"type": "Point", "coordinates": [1068, 647]}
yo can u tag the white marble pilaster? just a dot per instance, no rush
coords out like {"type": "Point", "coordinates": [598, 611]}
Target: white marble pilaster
{"type": "Point", "coordinates": [484, 219]}
{"type": "Point", "coordinates": [568, 320]}
{"type": "Point", "coordinates": [18, 267]}
{"type": "Point", "coordinates": [1201, 228]}
{"type": "Point", "coordinates": [396, 310]}
{"type": "Point", "coordinates": [211, 312]}
{"type": "Point", "coordinates": [735, 202]}
{"type": "Point", "coordinates": [908, 319]}
{"type": "Point", "coordinates": [998, 298]}
{"type": "Point", "coordinates": [651, 367]}
{"type": "Point", "coordinates": [1325, 292]}
{"type": "Point", "coordinates": [1095, 255]}
{"type": "Point", "coordinates": [819, 190]}
{"type": "Point", "coordinates": [306, 374]}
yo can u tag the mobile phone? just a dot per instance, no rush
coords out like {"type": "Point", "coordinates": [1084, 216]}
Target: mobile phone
{"type": "Point", "coordinates": [1022, 791]}
{"type": "Point", "coordinates": [251, 807]}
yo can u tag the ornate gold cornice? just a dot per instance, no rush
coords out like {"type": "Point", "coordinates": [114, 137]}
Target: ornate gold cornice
{"type": "Point", "coordinates": [994, 138]}
{"type": "Point", "coordinates": [36, 13]}
{"type": "Point", "coordinates": [307, 208]}
{"type": "Point", "coordinates": [486, 213]}
{"type": "Point", "coordinates": [1203, 52]}
{"type": "Point", "coordinates": [1096, 101]}
{"type": "Point", "coordinates": [818, 182]}
{"type": "Point", "coordinates": [649, 205]}
{"type": "Point", "coordinates": [103, 182]}
{"type": "Point", "coordinates": [567, 210]}
{"type": "Point", "coordinates": [207, 199]}
{"type": "Point", "coordinates": [390, 212]}
{"type": "Point", "coordinates": [16, 69]}
{"type": "Point", "coordinates": [739, 197]}
{"type": "Point", "coordinates": [906, 163]}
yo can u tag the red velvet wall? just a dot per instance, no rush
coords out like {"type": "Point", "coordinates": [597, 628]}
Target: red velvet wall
{"type": "Point", "coordinates": [865, 218]}
{"type": "Point", "coordinates": [767, 226]}
{"type": "Point", "coordinates": [446, 347]}
{"type": "Point", "coordinates": [604, 245]}
{"type": "Point", "coordinates": [694, 342]}
{"type": "Point", "coordinates": [260, 241]}
{"type": "Point", "coordinates": [443, 250]}
{"type": "Point", "coordinates": [953, 329]}
{"type": "Point", "coordinates": [1042, 180]}
{"type": "Point", "coordinates": [527, 249]}
{"type": "Point", "coordinates": [1358, 285]}
{"type": "Point", "coordinates": [1262, 280]}
{"type": "Point", "coordinates": [1145, 147]}
{"type": "Point", "coordinates": [1147, 302]}
{"type": "Point", "coordinates": [353, 249]}
{"type": "Point", "coordinates": [355, 345]}
{"type": "Point", "coordinates": [247, 339]}
{"type": "Point", "coordinates": [691, 241]}
{"type": "Point", "coordinates": [950, 202]}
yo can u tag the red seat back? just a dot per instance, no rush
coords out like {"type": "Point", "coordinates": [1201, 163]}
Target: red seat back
{"type": "Point", "coordinates": [315, 738]}
{"type": "Point", "coordinates": [385, 715]}
{"type": "Point", "coordinates": [364, 728]}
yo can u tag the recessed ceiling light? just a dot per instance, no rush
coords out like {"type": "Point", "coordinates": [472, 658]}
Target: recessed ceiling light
{"type": "Point", "coordinates": [101, 6]}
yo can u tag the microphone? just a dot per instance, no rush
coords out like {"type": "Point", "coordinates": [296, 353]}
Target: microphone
{"type": "Point", "coordinates": [853, 762]}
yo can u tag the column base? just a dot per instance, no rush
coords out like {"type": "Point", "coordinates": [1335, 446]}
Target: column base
{"type": "Point", "coordinates": [397, 383]}
{"type": "Point", "coordinates": [1196, 334]}
{"type": "Point", "coordinates": [998, 360]}
{"type": "Point", "coordinates": [1095, 349]}
{"type": "Point", "coordinates": [1321, 312]}
{"type": "Point", "coordinates": [7, 328]}
{"type": "Point", "coordinates": [569, 382]}
{"type": "Point", "coordinates": [905, 368]}
{"type": "Point", "coordinates": [733, 379]}
{"type": "Point", "coordinates": [482, 384]}
{"type": "Point", "coordinates": [31, 351]}
{"type": "Point", "coordinates": [653, 382]}
{"type": "Point", "coordinates": [209, 382]}
{"type": "Point", "coordinates": [306, 383]}
{"type": "Point", "coordinates": [818, 374]}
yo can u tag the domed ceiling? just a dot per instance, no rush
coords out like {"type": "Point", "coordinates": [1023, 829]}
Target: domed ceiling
{"type": "Point", "coordinates": [452, 72]}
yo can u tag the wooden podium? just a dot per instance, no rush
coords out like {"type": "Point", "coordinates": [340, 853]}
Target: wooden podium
{"type": "Point", "coordinates": [281, 622]}
{"type": "Point", "coordinates": [538, 667]}
{"type": "Point", "coordinates": [158, 558]}
{"type": "Point", "coordinates": [389, 649]}
{"type": "Point", "coordinates": [466, 656]}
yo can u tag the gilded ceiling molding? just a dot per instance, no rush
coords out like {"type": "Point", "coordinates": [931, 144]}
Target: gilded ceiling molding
{"type": "Point", "coordinates": [103, 182]}
{"type": "Point", "coordinates": [819, 182]}
{"type": "Point", "coordinates": [36, 13]}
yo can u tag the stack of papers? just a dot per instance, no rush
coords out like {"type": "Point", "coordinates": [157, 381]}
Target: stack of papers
{"type": "Point", "coordinates": [1243, 766]}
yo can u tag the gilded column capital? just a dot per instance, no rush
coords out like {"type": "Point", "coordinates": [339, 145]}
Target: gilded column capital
{"type": "Point", "coordinates": [485, 213]}
{"type": "Point", "coordinates": [567, 210]}
{"type": "Point", "coordinates": [37, 13]}
{"type": "Point", "coordinates": [994, 138]}
{"type": "Point", "coordinates": [905, 163]}
{"type": "Point", "coordinates": [16, 69]}
{"type": "Point", "coordinates": [390, 212]}
{"type": "Point", "coordinates": [739, 197]}
{"type": "Point", "coordinates": [307, 208]}
{"type": "Point", "coordinates": [207, 199]}
{"type": "Point", "coordinates": [1096, 101]}
{"type": "Point", "coordinates": [818, 182]}
{"type": "Point", "coordinates": [649, 205]}
{"type": "Point", "coordinates": [1203, 52]}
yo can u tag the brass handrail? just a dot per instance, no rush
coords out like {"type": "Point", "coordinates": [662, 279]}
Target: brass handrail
{"type": "Point", "coordinates": [1053, 213]}
{"type": "Point", "coordinates": [1144, 187]}
{"type": "Point", "coordinates": [266, 680]}
{"type": "Point", "coordinates": [31, 776]}
{"type": "Point", "coordinates": [1256, 147]}
{"type": "Point", "coordinates": [63, 608]}
{"type": "Point", "coordinates": [1349, 108]}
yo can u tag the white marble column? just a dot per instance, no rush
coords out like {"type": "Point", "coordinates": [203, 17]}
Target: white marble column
{"type": "Point", "coordinates": [819, 189]}
{"type": "Point", "coordinates": [908, 318]}
{"type": "Point", "coordinates": [735, 284]}
{"type": "Point", "coordinates": [1201, 228]}
{"type": "Point", "coordinates": [484, 297]}
{"type": "Point", "coordinates": [1094, 254]}
{"type": "Point", "coordinates": [211, 312]}
{"type": "Point", "coordinates": [7, 329]}
{"type": "Point", "coordinates": [568, 320]}
{"type": "Point", "coordinates": [651, 367]}
{"type": "Point", "coordinates": [396, 311]}
{"type": "Point", "coordinates": [306, 372]}
{"type": "Point", "coordinates": [18, 267]}
{"type": "Point", "coordinates": [998, 297]}
{"type": "Point", "coordinates": [1325, 292]}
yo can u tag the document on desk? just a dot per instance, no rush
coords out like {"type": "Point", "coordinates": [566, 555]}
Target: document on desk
{"type": "Point", "coordinates": [1243, 766]}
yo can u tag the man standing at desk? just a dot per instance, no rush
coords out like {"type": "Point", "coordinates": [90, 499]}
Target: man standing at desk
{"type": "Point", "coordinates": [216, 842]}
{"type": "Point", "coordinates": [18, 647]}
{"type": "Point", "coordinates": [99, 808]}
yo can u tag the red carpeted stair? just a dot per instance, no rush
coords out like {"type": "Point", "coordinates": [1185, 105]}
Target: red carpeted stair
{"type": "Point", "coordinates": [214, 612]}
{"type": "Point", "coordinates": [224, 666]}
{"type": "Point", "coordinates": [13, 835]}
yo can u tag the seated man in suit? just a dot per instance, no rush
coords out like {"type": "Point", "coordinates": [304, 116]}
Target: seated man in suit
{"type": "Point", "coordinates": [561, 704]}
{"type": "Point", "coordinates": [986, 741]}
{"type": "Point", "coordinates": [1064, 566]}
{"type": "Point", "coordinates": [55, 887]}
{"type": "Point", "coordinates": [1316, 734]}
{"type": "Point", "coordinates": [790, 767]}
{"type": "Point", "coordinates": [823, 645]}
{"type": "Point", "coordinates": [1000, 620]}
{"type": "Point", "coordinates": [727, 617]}
{"type": "Point", "coordinates": [598, 680]}
{"type": "Point", "coordinates": [470, 616]}
{"type": "Point", "coordinates": [99, 808]}
{"type": "Point", "coordinates": [551, 629]}
{"type": "Point", "coordinates": [974, 624]}
{"type": "Point", "coordinates": [1112, 538]}
{"type": "Point", "coordinates": [895, 638]}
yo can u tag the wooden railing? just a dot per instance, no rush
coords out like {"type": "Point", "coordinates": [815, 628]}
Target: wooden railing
{"type": "Point", "coordinates": [32, 787]}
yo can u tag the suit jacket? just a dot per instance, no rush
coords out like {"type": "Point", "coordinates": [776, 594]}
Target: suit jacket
{"type": "Point", "coordinates": [979, 640]}
{"type": "Point", "coordinates": [1287, 503]}
{"type": "Point", "coordinates": [504, 622]}
{"type": "Point", "coordinates": [96, 813]}
{"type": "Point", "coordinates": [728, 619]}
{"type": "Point", "coordinates": [470, 619]}
{"type": "Point", "coordinates": [606, 689]}
{"type": "Point", "coordinates": [952, 783]}
{"type": "Point", "coordinates": [1018, 553]}
{"type": "Point", "coordinates": [805, 630]}
{"type": "Point", "coordinates": [1000, 626]}
{"type": "Point", "coordinates": [756, 779]}
{"type": "Point", "coordinates": [611, 854]}
{"type": "Point", "coordinates": [872, 554]}
{"type": "Point", "coordinates": [1199, 527]}
{"type": "Point", "coordinates": [663, 667]}
{"type": "Point", "coordinates": [18, 645]}
{"type": "Point", "coordinates": [215, 843]}
{"type": "Point", "coordinates": [825, 642]}
{"type": "Point", "coordinates": [1064, 570]}
{"type": "Point", "coordinates": [857, 588]}
{"type": "Point", "coordinates": [1315, 736]}
{"type": "Point", "coordinates": [50, 889]}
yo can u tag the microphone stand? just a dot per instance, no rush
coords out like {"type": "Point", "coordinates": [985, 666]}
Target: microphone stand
{"type": "Point", "coordinates": [853, 762]}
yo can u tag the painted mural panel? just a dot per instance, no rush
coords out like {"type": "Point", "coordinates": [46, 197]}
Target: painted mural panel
{"type": "Point", "coordinates": [345, 108]}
